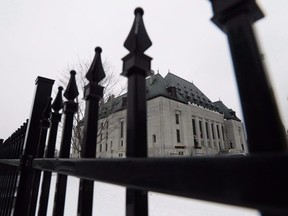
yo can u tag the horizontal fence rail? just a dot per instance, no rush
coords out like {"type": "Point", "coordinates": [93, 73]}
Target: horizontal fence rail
{"type": "Point", "coordinates": [257, 180]}
{"type": "Point", "coordinates": [227, 180]}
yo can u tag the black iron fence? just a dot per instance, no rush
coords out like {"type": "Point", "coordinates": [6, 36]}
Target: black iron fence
{"type": "Point", "coordinates": [258, 181]}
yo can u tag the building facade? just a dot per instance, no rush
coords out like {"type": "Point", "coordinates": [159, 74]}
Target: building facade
{"type": "Point", "coordinates": [181, 120]}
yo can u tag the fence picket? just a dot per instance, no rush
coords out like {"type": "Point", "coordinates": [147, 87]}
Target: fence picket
{"type": "Point", "coordinates": [69, 109]}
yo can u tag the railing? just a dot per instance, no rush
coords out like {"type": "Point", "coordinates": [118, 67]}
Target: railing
{"type": "Point", "coordinates": [258, 180]}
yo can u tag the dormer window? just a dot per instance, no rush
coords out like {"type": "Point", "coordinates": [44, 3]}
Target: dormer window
{"type": "Point", "coordinates": [124, 101]}
{"type": "Point", "coordinates": [172, 90]}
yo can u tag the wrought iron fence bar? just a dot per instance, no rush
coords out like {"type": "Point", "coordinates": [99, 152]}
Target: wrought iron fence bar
{"type": "Point", "coordinates": [93, 94]}
{"type": "Point", "coordinates": [70, 108]}
{"type": "Point", "coordinates": [11, 176]}
{"type": "Point", "coordinates": [12, 148]}
{"type": "Point", "coordinates": [222, 179]}
{"type": "Point", "coordinates": [45, 124]}
{"type": "Point", "coordinates": [55, 118]}
{"type": "Point", "coordinates": [43, 91]}
{"type": "Point", "coordinates": [265, 131]}
{"type": "Point", "coordinates": [5, 184]}
{"type": "Point", "coordinates": [136, 67]}
{"type": "Point", "coordinates": [12, 162]}
{"type": "Point", "coordinates": [11, 190]}
{"type": "Point", "coordinates": [4, 191]}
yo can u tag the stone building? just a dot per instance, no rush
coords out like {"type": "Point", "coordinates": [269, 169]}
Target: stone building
{"type": "Point", "coordinates": [182, 121]}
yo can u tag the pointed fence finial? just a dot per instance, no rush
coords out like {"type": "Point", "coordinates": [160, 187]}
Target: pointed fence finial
{"type": "Point", "coordinates": [96, 73]}
{"type": "Point", "coordinates": [138, 40]}
{"type": "Point", "coordinates": [57, 104]}
{"type": "Point", "coordinates": [71, 91]}
{"type": "Point", "coordinates": [137, 43]}
{"type": "Point", "coordinates": [225, 10]}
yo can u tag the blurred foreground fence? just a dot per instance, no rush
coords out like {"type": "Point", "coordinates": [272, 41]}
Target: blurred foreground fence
{"type": "Point", "coordinates": [258, 180]}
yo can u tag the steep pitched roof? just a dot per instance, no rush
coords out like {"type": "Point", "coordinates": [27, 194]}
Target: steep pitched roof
{"type": "Point", "coordinates": [228, 113]}
{"type": "Point", "coordinates": [189, 92]}
{"type": "Point", "coordinates": [172, 87]}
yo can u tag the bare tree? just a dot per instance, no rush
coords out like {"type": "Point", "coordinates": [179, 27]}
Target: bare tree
{"type": "Point", "coordinates": [111, 88]}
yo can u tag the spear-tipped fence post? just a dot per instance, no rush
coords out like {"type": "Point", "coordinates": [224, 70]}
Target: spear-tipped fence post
{"type": "Point", "coordinates": [265, 130]}
{"type": "Point", "coordinates": [136, 67]}
{"type": "Point", "coordinates": [55, 118]}
{"type": "Point", "coordinates": [93, 94]}
{"type": "Point", "coordinates": [43, 91]}
{"type": "Point", "coordinates": [70, 108]}
{"type": "Point", "coordinates": [45, 124]}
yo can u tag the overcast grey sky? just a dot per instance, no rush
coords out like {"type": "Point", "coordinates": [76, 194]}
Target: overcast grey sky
{"type": "Point", "coordinates": [41, 38]}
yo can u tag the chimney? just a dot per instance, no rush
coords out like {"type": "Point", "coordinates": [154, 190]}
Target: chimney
{"type": "Point", "coordinates": [152, 77]}
{"type": "Point", "coordinates": [110, 100]}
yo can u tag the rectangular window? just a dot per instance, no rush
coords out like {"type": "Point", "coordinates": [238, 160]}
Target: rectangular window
{"type": "Point", "coordinates": [177, 118]}
{"type": "Point", "coordinates": [122, 142]}
{"type": "Point", "coordinates": [223, 132]}
{"type": "Point", "coordinates": [212, 128]}
{"type": "Point", "coordinates": [106, 147]}
{"type": "Point", "coordinates": [100, 147]}
{"type": "Point", "coordinates": [200, 128]}
{"type": "Point", "coordinates": [154, 138]}
{"type": "Point", "coordinates": [106, 137]}
{"type": "Point", "coordinates": [207, 130]}
{"type": "Point", "coordinates": [218, 133]}
{"type": "Point", "coordinates": [194, 127]}
{"type": "Point", "coordinates": [107, 124]}
{"type": "Point", "coordinates": [121, 129]}
{"type": "Point", "coordinates": [178, 135]}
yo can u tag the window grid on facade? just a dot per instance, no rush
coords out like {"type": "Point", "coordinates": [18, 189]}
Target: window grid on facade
{"type": "Point", "coordinates": [121, 129]}
{"type": "Point", "coordinates": [178, 136]}
{"type": "Point", "coordinates": [212, 128]}
{"type": "Point", "coordinates": [154, 138]}
{"type": "Point", "coordinates": [177, 118]}
{"type": "Point", "coordinates": [207, 131]}
{"type": "Point", "coordinates": [200, 129]}
{"type": "Point", "coordinates": [194, 127]}
{"type": "Point", "coordinates": [218, 133]}
{"type": "Point", "coordinates": [223, 132]}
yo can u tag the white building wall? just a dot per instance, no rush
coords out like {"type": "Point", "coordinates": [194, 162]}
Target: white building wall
{"type": "Point", "coordinates": [235, 136]}
{"type": "Point", "coordinates": [162, 131]}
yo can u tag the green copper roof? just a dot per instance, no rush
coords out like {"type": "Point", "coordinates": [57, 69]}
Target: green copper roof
{"type": "Point", "coordinates": [172, 87]}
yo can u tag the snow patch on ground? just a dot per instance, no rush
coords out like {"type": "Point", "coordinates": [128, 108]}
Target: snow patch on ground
{"type": "Point", "coordinates": [109, 200]}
